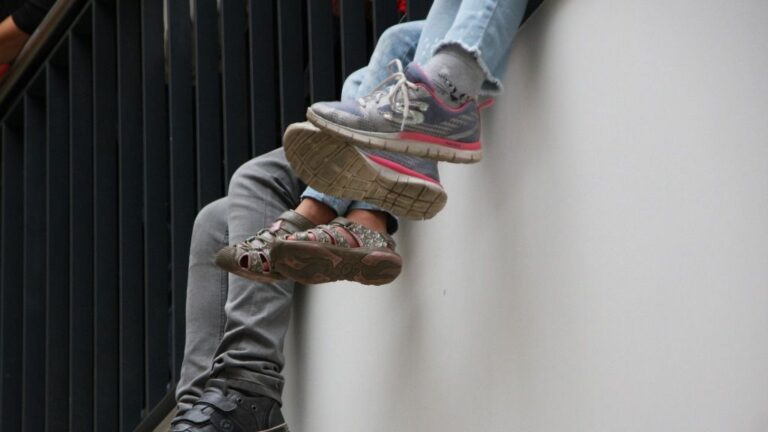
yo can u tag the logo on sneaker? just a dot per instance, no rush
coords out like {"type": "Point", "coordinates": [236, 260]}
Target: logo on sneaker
{"type": "Point", "coordinates": [415, 113]}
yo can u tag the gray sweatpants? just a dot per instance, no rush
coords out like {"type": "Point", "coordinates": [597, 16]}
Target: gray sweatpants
{"type": "Point", "coordinates": [236, 327]}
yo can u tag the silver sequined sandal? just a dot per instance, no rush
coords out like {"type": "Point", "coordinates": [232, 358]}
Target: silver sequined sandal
{"type": "Point", "coordinates": [341, 250]}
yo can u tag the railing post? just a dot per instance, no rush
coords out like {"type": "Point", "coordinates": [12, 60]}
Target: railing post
{"type": "Point", "coordinates": [81, 234]}
{"type": "Point", "coordinates": [57, 241]}
{"type": "Point", "coordinates": [182, 145]}
{"type": "Point", "coordinates": [11, 303]}
{"type": "Point", "coordinates": [33, 365]}
{"type": "Point", "coordinates": [106, 269]}
{"type": "Point", "coordinates": [157, 237]}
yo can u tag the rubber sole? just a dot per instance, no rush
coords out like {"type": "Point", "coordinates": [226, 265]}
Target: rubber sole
{"type": "Point", "coordinates": [227, 260]}
{"type": "Point", "coordinates": [315, 263]}
{"type": "Point", "coordinates": [282, 428]}
{"type": "Point", "coordinates": [415, 148]}
{"type": "Point", "coordinates": [335, 167]}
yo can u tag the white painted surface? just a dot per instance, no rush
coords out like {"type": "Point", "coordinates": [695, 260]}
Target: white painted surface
{"type": "Point", "coordinates": [616, 276]}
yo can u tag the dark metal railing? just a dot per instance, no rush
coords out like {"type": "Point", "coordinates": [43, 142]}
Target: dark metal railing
{"type": "Point", "coordinates": [119, 121]}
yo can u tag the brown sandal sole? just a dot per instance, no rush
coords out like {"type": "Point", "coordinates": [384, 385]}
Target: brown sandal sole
{"type": "Point", "coordinates": [335, 167]}
{"type": "Point", "coordinates": [315, 263]}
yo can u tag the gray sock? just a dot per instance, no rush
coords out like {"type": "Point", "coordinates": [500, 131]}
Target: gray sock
{"type": "Point", "coordinates": [456, 75]}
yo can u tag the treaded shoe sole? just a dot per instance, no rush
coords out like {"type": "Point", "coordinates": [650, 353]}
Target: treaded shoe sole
{"type": "Point", "coordinates": [226, 259]}
{"type": "Point", "coordinates": [441, 151]}
{"type": "Point", "coordinates": [314, 263]}
{"type": "Point", "coordinates": [282, 428]}
{"type": "Point", "coordinates": [207, 427]}
{"type": "Point", "coordinates": [337, 168]}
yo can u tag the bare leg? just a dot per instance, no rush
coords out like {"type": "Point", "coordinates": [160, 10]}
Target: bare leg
{"type": "Point", "coordinates": [315, 211]}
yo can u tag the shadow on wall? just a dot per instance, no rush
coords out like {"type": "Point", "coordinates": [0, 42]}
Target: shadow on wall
{"type": "Point", "coordinates": [604, 268]}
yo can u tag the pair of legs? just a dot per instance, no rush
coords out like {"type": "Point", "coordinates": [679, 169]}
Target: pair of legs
{"type": "Point", "coordinates": [235, 326]}
{"type": "Point", "coordinates": [397, 42]}
{"type": "Point", "coordinates": [429, 111]}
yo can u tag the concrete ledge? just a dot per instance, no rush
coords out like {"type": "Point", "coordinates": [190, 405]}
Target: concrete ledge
{"type": "Point", "coordinates": [604, 269]}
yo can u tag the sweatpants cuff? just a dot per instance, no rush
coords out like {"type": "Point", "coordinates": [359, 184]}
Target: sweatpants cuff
{"type": "Point", "coordinates": [253, 385]}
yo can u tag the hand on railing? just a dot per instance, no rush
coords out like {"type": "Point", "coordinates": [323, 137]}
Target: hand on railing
{"type": "Point", "coordinates": [12, 40]}
{"type": "Point", "coordinates": [28, 50]}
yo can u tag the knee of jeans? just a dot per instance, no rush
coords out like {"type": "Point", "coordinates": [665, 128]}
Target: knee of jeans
{"type": "Point", "coordinates": [352, 84]}
{"type": "Point", "coordinates": [407, 33]}
{"type": "Point", "coordinates": [249, 175]}
{"type": "Point", "coordinates": [211, 220]}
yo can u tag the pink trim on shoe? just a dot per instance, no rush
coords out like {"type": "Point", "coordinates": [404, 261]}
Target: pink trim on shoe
{"type": "Point", "coordinates": [486, 104]}
{"type": "Point", "coordinates": [415, 136]}
{"type": "Point", "coordinates": [401, 169]}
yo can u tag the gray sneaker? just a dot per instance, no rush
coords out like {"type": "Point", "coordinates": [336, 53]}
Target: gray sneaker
{"type": "Point", "coordinates": [405, 186]}
{"type": "Point", "coordinates": [405, 115]}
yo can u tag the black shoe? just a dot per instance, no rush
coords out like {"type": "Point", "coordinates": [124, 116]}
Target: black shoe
{"type": "Point", "coordinates": [228, 410]}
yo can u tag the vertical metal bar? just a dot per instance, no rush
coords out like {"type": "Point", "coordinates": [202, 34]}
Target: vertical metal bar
{"type": "Point", "coordinates": [1, 269]}
{"type": "Point", "coordinates": [34, 259]}
{"type": "Point", "coordinates": [235, 72]}
{"type": "Point", "coordinates": [182, 165]}
{"type": "Point", "coordinates": [81, 235]}
{"type": "Point", "coordinates": [322, 62]}
{"type": "Point", "coordinates": [291, 39]}
{"type": "Point", "coordinates": [418, 9]}
{"type": "Point", "coordinates": [157, 245]}
{"type": "Point", "coordinates": [12, 226]}
{"type": "Point", "coordinates": [57, 246]}
{"type": "Point", "coordinates": [130, 208]}
{"type": "Point", "coordinates": [106, 310]}
{"type": "Point", "coordinates": [353, 40]}
{"type": "Point", "coordinates": [209, 146]}
{"type": "Point", "coordinates": [385, 15]}
{"type": "Point", "coordinates": [2, 206]}
{"type": "Point", "coordinates": [265, 130]}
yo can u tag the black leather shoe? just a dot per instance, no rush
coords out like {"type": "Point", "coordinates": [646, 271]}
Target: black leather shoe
{"type": "Point", "coordinates": [228, 410]}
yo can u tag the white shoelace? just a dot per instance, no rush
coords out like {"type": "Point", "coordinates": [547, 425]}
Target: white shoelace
{"type": "Point", "coordinates": [397, 90]}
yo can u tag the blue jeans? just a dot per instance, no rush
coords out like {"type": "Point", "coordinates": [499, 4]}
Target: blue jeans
{"type": "Point", "coordinates": [397, 42]}
{"type": "Point", "coordinates": [484, 28]}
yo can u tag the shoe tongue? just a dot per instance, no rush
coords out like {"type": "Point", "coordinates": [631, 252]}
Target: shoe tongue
{"type": "Point", "coordinates": [415, 74]}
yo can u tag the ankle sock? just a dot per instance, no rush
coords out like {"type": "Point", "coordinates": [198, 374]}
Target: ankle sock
{"type": "Point", "coordinates": [456, 75]}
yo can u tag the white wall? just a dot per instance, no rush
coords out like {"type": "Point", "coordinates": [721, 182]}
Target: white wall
{"type": "Point", "coordinates": [605, 268]}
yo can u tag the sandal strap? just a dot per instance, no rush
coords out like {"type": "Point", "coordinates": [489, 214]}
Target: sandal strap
{"type": "Point", "coordinates": [334, 233]}
{"type": "Point", "coordinates": [287, 223]}
{"type": "Point", "coordinates": [296, 221]}
{"type": "Point", "coordinates": [323, 234]}
{"type": "Point", "coordinates": [367, 237]}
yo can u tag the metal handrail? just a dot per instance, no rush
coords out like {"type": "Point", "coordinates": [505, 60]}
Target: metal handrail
{"type": "Point", "coordinates": [37, 48]}
{"type": "Point", "coordinates": [160, 411]}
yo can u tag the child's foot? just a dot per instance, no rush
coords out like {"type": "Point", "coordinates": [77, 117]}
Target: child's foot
{"type": "Point", "coordinates": [404, 186]}
{"type": "Point", "coordinates": [251, 258]}
{"type": "Point", "coordinates": [341, 250]}
{"type": "Point", "coordinates": [406, 117]}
